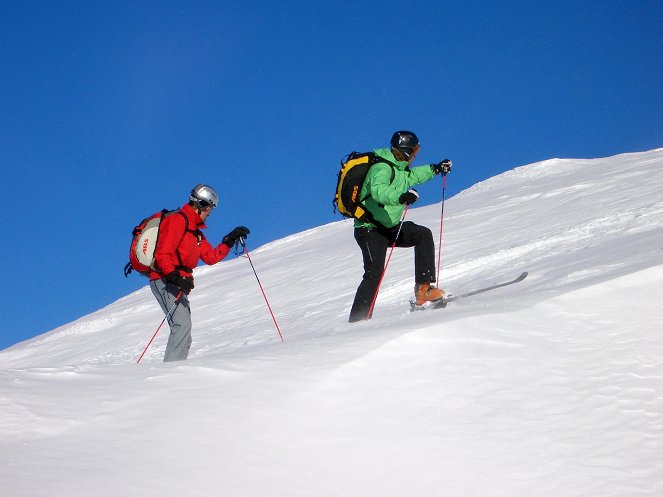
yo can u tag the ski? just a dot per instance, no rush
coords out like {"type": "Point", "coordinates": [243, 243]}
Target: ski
{"type": "Point", "coordinates": [442, 303]}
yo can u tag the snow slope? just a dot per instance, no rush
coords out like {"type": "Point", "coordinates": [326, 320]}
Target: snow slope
{"type": "Point", "coordinates": [551, 387]}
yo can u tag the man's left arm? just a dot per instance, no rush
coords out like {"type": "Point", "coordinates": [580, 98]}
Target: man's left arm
{"type": "Point", "coordinates": [211, 255]}
{"type": "Point", "coordinates": [420, 174]}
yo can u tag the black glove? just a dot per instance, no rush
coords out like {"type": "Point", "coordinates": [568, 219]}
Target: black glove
{"type": "Point", "coordinates": [185, 283]}
{"type": "Point", "coordinates": [409, 197]}
{"type": "Point", "coordinates": [231, 238]}
{"type": "Point", "coordinates": [443, 167]}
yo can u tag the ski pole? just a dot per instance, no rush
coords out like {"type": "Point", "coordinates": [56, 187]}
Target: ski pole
{"type": "Point", "coordinates": [172, 307]}
{"type": "Point", "coordinates": [439, 245]}
{"type": "Point", "coordinates": [246, 250]}
{"type": "Point", "coordinates": [377, 290]}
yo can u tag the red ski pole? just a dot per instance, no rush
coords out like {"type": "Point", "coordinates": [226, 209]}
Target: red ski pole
{"type": "Point", "coordinates": [177, 299]}
{"type": "Point", "coordinates": [377, 290]}
{"type": "Point", "coordinates": [439, 245]}
{"type": "Point", "coordinates": [246, 250]}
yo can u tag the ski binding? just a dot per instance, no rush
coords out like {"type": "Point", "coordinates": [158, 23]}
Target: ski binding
{"type": "Point", "coordinates": [442, 303]}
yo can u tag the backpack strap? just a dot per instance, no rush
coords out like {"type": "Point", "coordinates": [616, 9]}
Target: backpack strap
{"type": "Point", "coordinates": [386, 161]}
{"type": "Point", "coordinates": [368, 216]}
{"type": "Point", "coordinates": [375, 159]}
{"type": "Point", "coordinates": [181, 266]}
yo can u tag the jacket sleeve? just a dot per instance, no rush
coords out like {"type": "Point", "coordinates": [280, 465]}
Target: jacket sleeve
{"type": "Point", "coordinates": [171, 231]}
{"type": "Point", "coordinates": [386, 192]}
{"type": "Point", "coordinates": [420, 174]}
{"type": "Point", "coordinates": [211, 255]}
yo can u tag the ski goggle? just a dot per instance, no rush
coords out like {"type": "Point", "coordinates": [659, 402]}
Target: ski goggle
{"type": "Point", "coordinates": [408, 152]}
{"type": "Point", "coordinates": [205, 204]}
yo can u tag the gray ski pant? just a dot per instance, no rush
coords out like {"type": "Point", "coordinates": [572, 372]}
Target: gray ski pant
{"type": "Point", "coordinates": [179, 341]}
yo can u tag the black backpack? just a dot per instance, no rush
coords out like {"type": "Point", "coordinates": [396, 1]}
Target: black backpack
{"type": "Point", "coordinates": [354, 169]}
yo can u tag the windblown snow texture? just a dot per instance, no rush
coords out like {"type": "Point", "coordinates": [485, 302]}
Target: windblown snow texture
{"type": "Point", "coordinates": [552, 387]}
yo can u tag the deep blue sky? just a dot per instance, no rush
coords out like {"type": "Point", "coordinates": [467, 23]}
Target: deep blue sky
{"type": "Point", "coordinates": [112, 110]}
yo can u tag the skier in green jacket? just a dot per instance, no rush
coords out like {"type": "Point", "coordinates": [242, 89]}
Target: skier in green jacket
{"type": "Point", "coordinates": [387, 191]}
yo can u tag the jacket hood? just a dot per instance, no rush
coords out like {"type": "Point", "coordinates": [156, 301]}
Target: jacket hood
{"type": "Point", "coordinates": [193, 217]}
{"type": "Point", "coordinates": [386, 153]}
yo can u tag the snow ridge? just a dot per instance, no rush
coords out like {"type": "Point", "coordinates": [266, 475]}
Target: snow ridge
{"type": "Point", "coordinates": [551, 387]}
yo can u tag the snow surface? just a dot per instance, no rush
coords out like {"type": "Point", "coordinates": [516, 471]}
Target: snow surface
{"type": "Point", "coordinates": [551, 387]}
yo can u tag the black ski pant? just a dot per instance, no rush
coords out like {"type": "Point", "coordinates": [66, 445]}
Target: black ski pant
{"type": "Point", "coordinates": [374, 243]}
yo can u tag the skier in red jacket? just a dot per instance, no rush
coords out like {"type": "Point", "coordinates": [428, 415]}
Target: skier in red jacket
{"type": "Point", "coordinates": [181, 244]}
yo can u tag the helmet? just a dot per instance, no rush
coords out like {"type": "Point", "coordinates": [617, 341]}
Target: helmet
{"type": "Point", "coordinates": [406, 142]}
{"type": "Point", "coordinates": [204, 195]}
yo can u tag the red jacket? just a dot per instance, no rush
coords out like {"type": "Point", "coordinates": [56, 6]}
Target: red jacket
{"type": "Point", "coordinates": [181, 247]}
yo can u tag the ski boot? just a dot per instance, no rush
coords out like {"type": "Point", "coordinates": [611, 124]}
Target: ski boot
{"type": "Point", "coordinates": [424, 292]}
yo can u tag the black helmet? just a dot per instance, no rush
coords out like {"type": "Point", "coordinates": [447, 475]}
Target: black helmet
{"type": "Point", "coordinates": [405, 142]}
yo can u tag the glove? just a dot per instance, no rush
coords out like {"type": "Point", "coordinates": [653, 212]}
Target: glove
{"type": "Point", "coordinates": [184, 283]}
{"type": "Point", "coordinates": [443, 167]}
{"type": "Point", "coordinates": [231, 238]}
{"type": "Point", "coordinates": [409, 197]}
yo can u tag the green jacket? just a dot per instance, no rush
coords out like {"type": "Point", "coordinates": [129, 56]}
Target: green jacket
{"type": "Point", "coordinates": [381, 195]}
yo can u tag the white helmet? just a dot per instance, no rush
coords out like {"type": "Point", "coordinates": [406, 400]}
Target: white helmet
{"type": "Point", "coordinates": [204, 196]}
